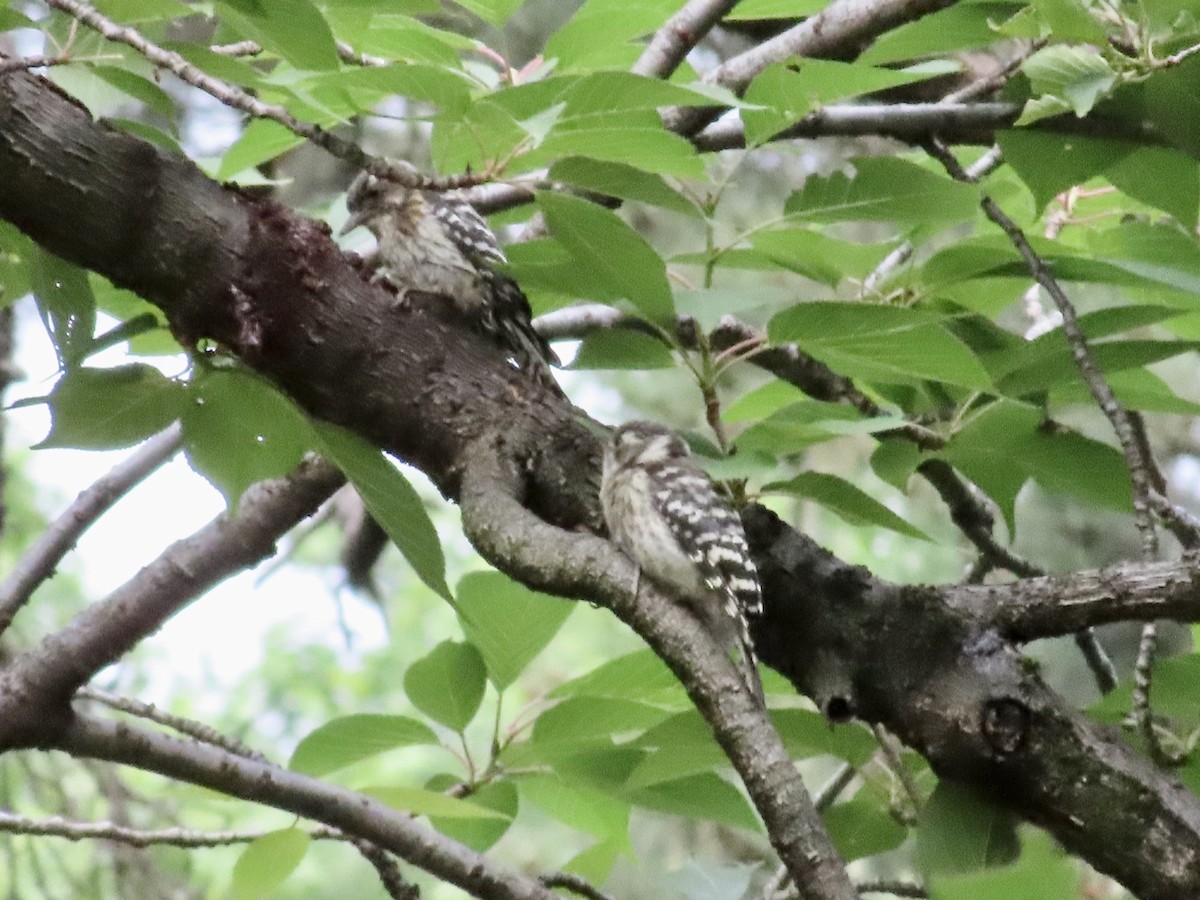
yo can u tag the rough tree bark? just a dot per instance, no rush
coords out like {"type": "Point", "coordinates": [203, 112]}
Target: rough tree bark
{"type": "Point", "coordinates": [939, 667]}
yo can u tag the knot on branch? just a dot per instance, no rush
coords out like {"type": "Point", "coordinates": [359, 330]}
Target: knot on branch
{"type": "Point", "coordinates": [1005, 725]}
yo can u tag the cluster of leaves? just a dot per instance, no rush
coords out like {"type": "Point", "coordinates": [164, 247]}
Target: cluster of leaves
{"type": "Point", "coordinates": [932, 343]}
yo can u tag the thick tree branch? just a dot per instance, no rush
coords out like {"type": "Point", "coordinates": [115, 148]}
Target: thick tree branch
{"type": "Point", "coordinates": [260, 782]}
{"type": "Point", "coordinates": [1051, 606]}
{"type": "Point", "coordinates": [273, 288]}
{"type": "Point", "coordinates": [583, 566]}
{"type": "Point", "coordinates": [957, 692]}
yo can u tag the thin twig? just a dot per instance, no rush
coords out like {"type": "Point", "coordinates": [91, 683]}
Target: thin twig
{"type": "Point", "coordinates": [40, 561]}
{"type": "Point", "coordinates": [895, 888]}
{"type": "Point", "coordinates": [55, 826]}
{"type": "Point", "coordinates": [1147, 478]}
{"type": "Point", "coordinates": [996, 80]}
{"type": "Point", "coordinates": [233, 96]}
{"type": "Point", "coordinates": [388, 870]}
{"type": "Point", "coordinates": [21, 63]}
{"type": "Point", "coordinates": [890, 748]}
{"type": "Point", "coordinates": [573, 883]}
{"type": "Point", "coordinates": [832, 789]}
{"type": "Point", "coordinates": [193, 729]}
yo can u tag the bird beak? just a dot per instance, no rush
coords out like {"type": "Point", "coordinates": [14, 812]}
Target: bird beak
{"type": "Point", "coordinates": [356, 219]}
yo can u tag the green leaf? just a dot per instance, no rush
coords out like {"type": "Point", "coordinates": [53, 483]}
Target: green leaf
{"type": "Point", "coordinates": [494, 12]}
{"type": "Point", "coordinates": [1008, 443]}
{"type": "Point", "coordinates": [683, 744]}
{"type": "Point", "coordinates": [789, 90]}
{"type": "Point", "coordinates": [478, 834]}
{"type": "Point", "coordinates": [295, 29]}
{"type": "Point", "coordinates": [140, 88]}
{"type": "Point", "coordinates": [611, 252]}
{"type": "Point", "coordinates": [859, 828]}
{"type": "Point", "coordinates": [262, 140]}
{"type": "Point", "coordinates": [1053, 370]}
{"type": "Point", "coordinates": [509, 623]}
{"type": "Point", "coordinates": [799, 425]}
{"type": "Point", "coordinates": [774, 9]}
{"type": "Point", "coordinates": [702, 796]}
{"type": "Point", "coordinates": [1175, 681]}
{"type": "Point", "coordinates": [818, 256]}
{"type": "Point", "coordinates": [238, 430]}
{"type": "Point", "coordinates": [431, 803]}
{"type": "Point", "coordinates": [1076, 159]}
{"type": "Point", "coordinates": [841, 497]}
{"type": "Point", "coordinates": [621, 349]}
{"type": "Point", "coordinates": [598, 35]}
{"type": "Point", "coordinates": [1160, 177]}
{"type": "Point", "coordinates": [599, 813]}
{"type": "Point", "coordinates": [885, 189]}
{"type": "Point", "coordinates": [351, 90]}
{"type": "Point", "coordinates": [880, 343]}
{"type": "Point", "coordinates": [66, 303]}
{"type": "Point", "coordinates": [347, 740]}
{"type": "Point", "coordinates": [267, 862]}
{"type": "Point", "coordinates": [640, 675]}
{"type": "Point", "coordinates": [1041, 873]}
{"type": "Point", "coordinates": [1071, 21]}
{"type": "Point", "coordinates": [108, 409]}
{"type": "Point", "coordinates": [962, 830]}
{"type": "Point", "coordinates": [894, 461]}
{"type": "Point", "coordinates": [1079, 74]}
{"type": "Point", "coordinates": [447, 684]}
{"type": "Point", "coordinates": [957, 28]}
{"type": "Point", "coordinates": [596, 863]}
{"type": "Point", "coordinates": [391, 500]}
{"type": "Point", "coordinates": [617, 179]}
{"type": "Point", "coordinates": [583, 719]}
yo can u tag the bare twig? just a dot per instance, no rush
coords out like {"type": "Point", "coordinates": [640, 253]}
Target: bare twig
{"type": "Point", "coordinates": [996, 80]}
{"type": "Point", "coordinates": [832, 789]}
{"type": "Point", "coordinates": [241, 48]}
{"type": "Point", "coordinates": [895, 888]}
{"type": "Point", "coordinates": [43, 557]}
{"type": "Point", "coordinates": [389, 872]}
{"type": "Point", "coordinates": [19, 63]}
{"type": "Point", "coordinates": [912, 122]}
{"type": "Point", "coordinates": [352, 813]}
{"type": "Point", "coordinates": [838, 30]}
{"type": "Point", "coordinates": [573, 883]}
{"type": "Point", "coordinates": [193, 729]}
{"type": "Point", "coordinates": [55, 826]}
{"type": "Point", "coordinates": [890, 749]}
{"type": "Point", "coordinates": [235, 97]}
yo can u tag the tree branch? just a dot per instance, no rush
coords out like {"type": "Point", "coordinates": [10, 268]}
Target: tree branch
{"type": "Point", "coordinates": [678, 35]}
{"type": "Point", "coordinates": [40, 561]}
{"type": "Point", "coordinates": [585, 567]}
{"type": "Point", "coordinates": [236, 98]}
{"type": "Point", "coordinates": [260, 782]}
{"type": "Point", "coordinates": [840, 30]}
{"type": "Point", "coordinates": [35, 686]}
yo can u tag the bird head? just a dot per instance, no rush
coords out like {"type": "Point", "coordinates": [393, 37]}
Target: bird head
{"type": "Point", "coordinates": [370, 198]}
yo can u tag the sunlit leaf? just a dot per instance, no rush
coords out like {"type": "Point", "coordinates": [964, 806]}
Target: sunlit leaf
{"type": "Point", "coordinates": [350, 739]}
{"type": "Point", "coordinates": [447, 684]}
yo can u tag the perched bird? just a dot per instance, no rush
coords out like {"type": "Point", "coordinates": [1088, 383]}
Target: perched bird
{"type": "Point", "coordinates": [436, 242]}
{"type": "Point", "coordinates": [663, 511]}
